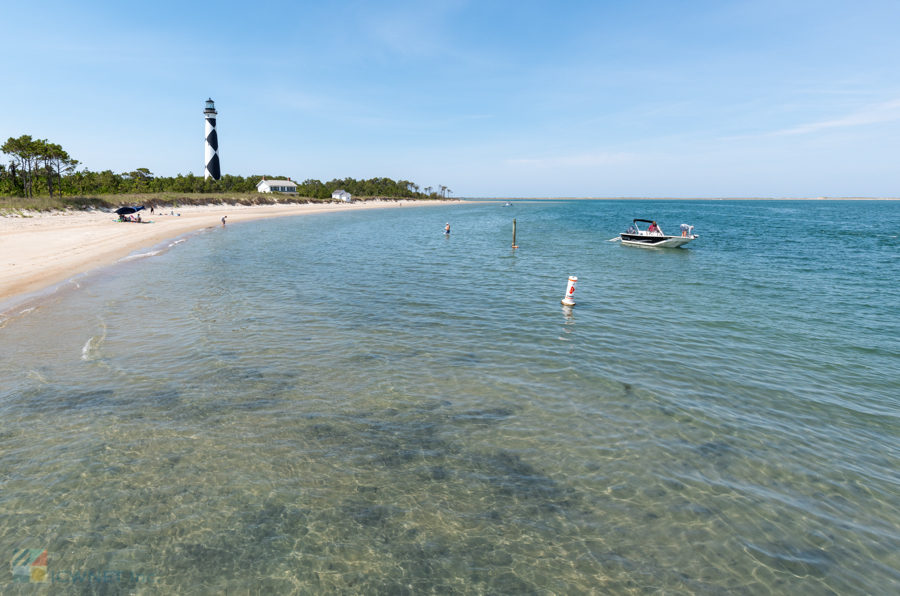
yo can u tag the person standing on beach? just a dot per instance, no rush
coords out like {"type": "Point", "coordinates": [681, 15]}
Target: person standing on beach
{"type": "Point", "coordinates": [223, 220]}
{"type": "Point", "coordinates": [447, 228]}
{"type": "Point", "coordinates": [151, 209]}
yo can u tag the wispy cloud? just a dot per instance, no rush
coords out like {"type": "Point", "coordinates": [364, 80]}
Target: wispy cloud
{"type": "Point", "coordinates": [411, 28]}
{"type": "Point", "coordinates": [575, 161]}
{"type": "Point", "coordinates": [873, 114]}
{"type": "Point", "coordinates": [301, 101]}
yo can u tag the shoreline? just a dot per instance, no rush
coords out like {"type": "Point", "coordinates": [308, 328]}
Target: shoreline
{"type": "Point", "coordinates": [47, 249]}
{"type": "Point", "coordinates": [678, 199]}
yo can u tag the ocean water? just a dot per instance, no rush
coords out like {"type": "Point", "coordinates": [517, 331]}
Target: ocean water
{"type": "Point", "coordinates": [354, 403]}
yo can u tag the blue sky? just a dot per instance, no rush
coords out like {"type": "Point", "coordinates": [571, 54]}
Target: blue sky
{"type": "Point", "coordinates": [520, 99]}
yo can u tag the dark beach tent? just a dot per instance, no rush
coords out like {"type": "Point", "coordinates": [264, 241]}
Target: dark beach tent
{"type": "Point", "coordinates": [128, 210]}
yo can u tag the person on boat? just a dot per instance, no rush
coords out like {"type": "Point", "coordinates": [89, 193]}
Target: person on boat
{"type": "Point", "coordinates": [653, 229]}
{"type": "Point", "coordinates": [684, 230]}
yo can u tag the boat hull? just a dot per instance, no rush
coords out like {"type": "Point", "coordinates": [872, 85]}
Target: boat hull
{"type": "Point", "coordinates": [655, 241]}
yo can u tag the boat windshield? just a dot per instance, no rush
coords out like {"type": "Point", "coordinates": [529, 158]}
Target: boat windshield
{"type": "Point", "coordinates": [652, 228]}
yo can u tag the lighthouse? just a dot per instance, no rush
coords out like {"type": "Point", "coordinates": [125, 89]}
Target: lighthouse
{"type": "Point", "coordinates": [212, 142]}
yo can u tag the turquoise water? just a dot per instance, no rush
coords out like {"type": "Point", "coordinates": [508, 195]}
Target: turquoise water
{"type": "Point", "coordinates": [354, 403]}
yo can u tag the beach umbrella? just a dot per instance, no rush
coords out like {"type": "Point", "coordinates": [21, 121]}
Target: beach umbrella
{"type": "Point", "coordinates": [128, 210]}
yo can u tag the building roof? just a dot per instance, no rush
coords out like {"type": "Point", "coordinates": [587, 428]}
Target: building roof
{"type": "Point", "coordinates": [277, 182]}
{"type": "Point", "coordinates": [340, 191]}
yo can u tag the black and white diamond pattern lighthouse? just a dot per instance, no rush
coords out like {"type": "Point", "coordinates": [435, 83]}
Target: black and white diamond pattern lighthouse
{"type": "Point", "coordinates": [212, 142]}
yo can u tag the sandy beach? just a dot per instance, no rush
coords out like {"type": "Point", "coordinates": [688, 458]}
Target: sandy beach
{"type": "Point", "coordinates": [45, 249]}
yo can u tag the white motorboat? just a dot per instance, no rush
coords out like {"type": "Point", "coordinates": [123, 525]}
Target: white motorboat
{"type": "Point", "coordinates": [653, 236]}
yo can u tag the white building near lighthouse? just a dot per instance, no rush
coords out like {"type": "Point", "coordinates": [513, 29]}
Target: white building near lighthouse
{"type": "Point", "coordinates": [276, 186]}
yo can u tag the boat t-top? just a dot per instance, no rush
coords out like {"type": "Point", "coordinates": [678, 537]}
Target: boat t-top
{"type": "Point", "coordinates": [653, 236]}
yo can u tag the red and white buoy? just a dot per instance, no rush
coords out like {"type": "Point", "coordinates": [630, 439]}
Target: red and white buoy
{"type": "Point", "coordinates": [570, 291]}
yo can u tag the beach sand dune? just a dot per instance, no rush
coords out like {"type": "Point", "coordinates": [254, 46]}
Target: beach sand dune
{"type": "Point", "coordinates": [49, 248]}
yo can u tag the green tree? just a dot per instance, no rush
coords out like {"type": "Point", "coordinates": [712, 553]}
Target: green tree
{"type": "Point", "coordinates": [24, 152]}
{"type": "Point", "coordinates": [6, 186]}
{"type": "Point", "coordinates": [61, 163]}
{"type": "Point", "coordinates": [44, 151]}
{"type": "Point", "coordinates": [139, 180]}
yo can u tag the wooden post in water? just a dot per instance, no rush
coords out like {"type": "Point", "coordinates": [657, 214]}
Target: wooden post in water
{"type": "Point", "coordinates": [514, 234]}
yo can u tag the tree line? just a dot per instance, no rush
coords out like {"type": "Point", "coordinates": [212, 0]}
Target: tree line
{"type": "Point", "coordinates": [34, 161]}
{"type": "Point", "coordinates": [374, 187]}
{"type": "Point", "coordinates": [38, 167]}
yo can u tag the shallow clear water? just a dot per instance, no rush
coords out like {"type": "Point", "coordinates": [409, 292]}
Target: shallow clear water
{"type": "Point", "coordinates": [355, 403]}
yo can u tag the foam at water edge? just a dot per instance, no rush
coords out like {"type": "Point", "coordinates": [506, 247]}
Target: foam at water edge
{"type": "Point", "coordinates": [91, 348]}
{"type": "Point", "coordinates": [86, 350]}
{"type": "Point", "coordinates": [152, 253]}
